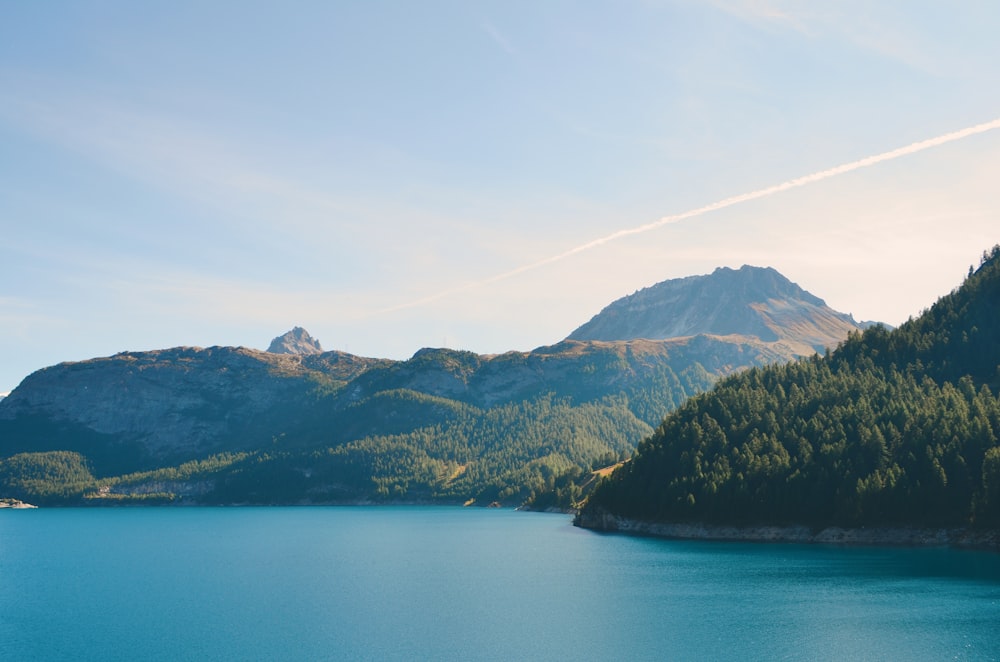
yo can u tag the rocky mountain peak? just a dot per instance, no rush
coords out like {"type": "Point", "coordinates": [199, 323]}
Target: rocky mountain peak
{"type": "Point", "coordinates": [296, 341]}
{"type": "Point", "coordinates": [749, 301]}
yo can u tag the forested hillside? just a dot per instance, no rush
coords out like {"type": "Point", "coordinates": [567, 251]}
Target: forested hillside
{"type": "Point", "coordinates": [893, 428]}
{"type": "Point", "coordinates": [301, 425]}
{"type": "Point", "coordinates": [233, 426]}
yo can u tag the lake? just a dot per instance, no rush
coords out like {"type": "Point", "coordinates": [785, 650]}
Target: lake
{"type": "Point", "coordinates": [439, 583]}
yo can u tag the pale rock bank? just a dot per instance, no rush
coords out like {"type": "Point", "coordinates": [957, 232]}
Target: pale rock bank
{"type": "Point", "coordinates": [15, 504]}
{"type": "Point", "coordinates": [833, 535]}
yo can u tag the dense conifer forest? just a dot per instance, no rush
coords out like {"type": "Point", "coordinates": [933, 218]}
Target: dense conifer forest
{"type": "Point", "coordinates": [893, 428]}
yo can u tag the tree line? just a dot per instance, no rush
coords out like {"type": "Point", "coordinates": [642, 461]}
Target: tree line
{"type": "Point", "coordinates": [895, 427]}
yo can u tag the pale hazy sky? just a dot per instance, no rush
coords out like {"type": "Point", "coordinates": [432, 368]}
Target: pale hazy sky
{"type": "Point", "coordinates": [395, 175]}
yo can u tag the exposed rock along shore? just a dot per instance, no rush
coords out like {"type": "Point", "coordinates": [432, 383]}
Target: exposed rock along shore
{"type": "Point", "coordinates": [833, 535]}
{"type": "Point", "coordinates": [15, 504]}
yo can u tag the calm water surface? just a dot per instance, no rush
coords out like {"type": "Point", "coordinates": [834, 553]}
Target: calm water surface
{"type": "Point", "coordinates": [409, 583]}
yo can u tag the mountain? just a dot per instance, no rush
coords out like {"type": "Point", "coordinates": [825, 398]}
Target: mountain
{"type": "Point", "coordinates": [296, 341]}
{"type": "Point", "coordinates": [750, 301]}
{"type": "Point", "coordinates": [140, 409]}
{"type": "Point", "coordinates": [895, 428]}
{"type": "Point", "coordinates": [229, 425]}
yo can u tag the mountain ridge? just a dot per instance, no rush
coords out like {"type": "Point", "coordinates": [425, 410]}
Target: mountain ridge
{"type": "Point", "coordinates": [894, 429]}
{"type": "Point", "coordinates": [756, 301]}
{"type": "Point", "coordinates": [312, 416]}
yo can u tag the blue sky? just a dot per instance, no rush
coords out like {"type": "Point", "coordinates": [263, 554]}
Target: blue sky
{"type": "Point", "coordinates": [191, 173]}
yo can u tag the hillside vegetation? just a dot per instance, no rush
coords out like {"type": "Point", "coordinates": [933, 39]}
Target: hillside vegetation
{"type": "Point", "coordinates": [301, 425]}
{"type": "Point", "coordinates": [893, 428]}
{"type": "Point", "coordinates": [504, 430]}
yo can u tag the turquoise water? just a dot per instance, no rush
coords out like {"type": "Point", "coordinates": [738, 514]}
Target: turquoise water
{"type": "Point", "coordinates": [411, 583]}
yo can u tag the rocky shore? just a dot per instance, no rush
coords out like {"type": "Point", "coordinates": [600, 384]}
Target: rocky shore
{"type": "Point", "coordinates": [833, 535]}
{"type": "Point", "coordinates": [14, 503]}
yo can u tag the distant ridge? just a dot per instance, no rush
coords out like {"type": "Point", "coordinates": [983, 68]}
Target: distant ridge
{"type": "Point", "coordinates": [298, 424]}
{"type": "Point", "coordinates": [750, 301]}
{"type": "Point", "coordinates": [296, 341]}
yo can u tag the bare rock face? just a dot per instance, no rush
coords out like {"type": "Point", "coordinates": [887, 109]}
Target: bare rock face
{"type": "Point", "coordinates": [296, 341]}
{"type": "Point", "coordinates": [184, 401]}
{"type": "Point", "coordinates": [170, 401]}
{"type": "Point", "coordinates": [751, 301]}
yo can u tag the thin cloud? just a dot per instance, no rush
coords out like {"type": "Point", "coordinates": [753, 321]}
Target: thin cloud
{"type": "Point", "coordinates": [760, 11]}
{"type": "Point", "coordinates": [499, 38]}
{"type": "Point", "coordinates": [865, 25]}
{"type": "Point", "coordinates": [813, 178]}
{"type": "Point", "coordinates": [167, 153]}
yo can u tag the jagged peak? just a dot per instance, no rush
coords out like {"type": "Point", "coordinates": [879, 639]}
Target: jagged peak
{"type": "Point", "coordinates": [296, 341]}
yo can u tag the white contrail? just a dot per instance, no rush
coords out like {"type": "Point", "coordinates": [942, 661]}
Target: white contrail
{"type": "Point", "coordinates": [715, 206]}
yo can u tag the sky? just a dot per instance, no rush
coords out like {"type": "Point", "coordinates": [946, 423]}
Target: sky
{"type": "Point", "coordinates": [483, 176]}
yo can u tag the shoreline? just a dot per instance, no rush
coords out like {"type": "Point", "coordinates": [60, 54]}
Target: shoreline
{"type": "Point", "coordinates": [166, 501]}
{"type": "Point", "coordinates": [15, 504]}
{"type": "Point", "coordinates": [876, 536]}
